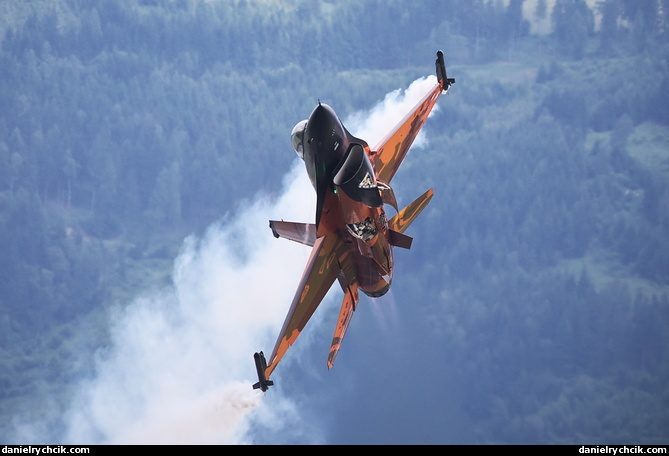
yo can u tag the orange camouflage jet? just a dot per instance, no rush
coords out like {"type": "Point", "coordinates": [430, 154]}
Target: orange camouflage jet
{"type": "Point", "coordinates": [352, 239]}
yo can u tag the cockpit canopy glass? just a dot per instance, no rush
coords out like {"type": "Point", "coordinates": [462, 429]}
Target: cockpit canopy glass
{"type": "Point", "coordinates": [297, 136]}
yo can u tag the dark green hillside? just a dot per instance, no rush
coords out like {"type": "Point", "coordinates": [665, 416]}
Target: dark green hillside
{"type": "Point", "coordinates": [540, 269]}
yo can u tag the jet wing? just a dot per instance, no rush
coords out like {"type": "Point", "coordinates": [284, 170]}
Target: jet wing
{"type": "Point", "coordinates": [320, 273]}
{"type": "Point", "coordinates": [389, 153]}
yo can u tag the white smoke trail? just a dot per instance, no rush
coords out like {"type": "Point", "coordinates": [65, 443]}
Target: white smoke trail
{"type": "Point", "coordinates": [374, 124]}
{"type": "Point", "coordinates": [179, 369]}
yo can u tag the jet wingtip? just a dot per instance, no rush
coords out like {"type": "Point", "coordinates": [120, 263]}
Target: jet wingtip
{"type": "Point", "coordinates": [261, 366]}
{"type": "Point", "coordinates": [442, 77]}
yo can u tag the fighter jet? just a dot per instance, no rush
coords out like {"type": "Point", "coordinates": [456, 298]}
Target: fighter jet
{"type": "Point", "coordinates": [352, 240]}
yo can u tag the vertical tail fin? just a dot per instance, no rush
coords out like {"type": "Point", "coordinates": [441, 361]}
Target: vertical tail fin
{"type": "Point", "coordinates": [348, 306]}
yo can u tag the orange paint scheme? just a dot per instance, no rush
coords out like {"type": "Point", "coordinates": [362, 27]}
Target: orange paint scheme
{"type": "Point", "coordinates": [352, 240]}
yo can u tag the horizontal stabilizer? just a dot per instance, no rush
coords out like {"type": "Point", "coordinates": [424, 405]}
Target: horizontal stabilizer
{"type": "Point", "coordinates": [406, 216]}
{"type": "Point", "coordinates": [304, 233]}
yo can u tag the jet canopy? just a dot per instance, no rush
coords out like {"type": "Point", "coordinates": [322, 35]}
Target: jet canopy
{"type": "Point", "coordinates": [297, 136]}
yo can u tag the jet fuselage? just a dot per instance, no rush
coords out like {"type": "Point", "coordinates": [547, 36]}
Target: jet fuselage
{"type": "Point", "coordinates": [349, 201]}
{"type": "Point", "coordinates": [351, 241]}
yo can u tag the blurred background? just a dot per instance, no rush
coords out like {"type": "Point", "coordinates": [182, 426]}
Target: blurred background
{"type": "Point", "coordinates": [533, 306]}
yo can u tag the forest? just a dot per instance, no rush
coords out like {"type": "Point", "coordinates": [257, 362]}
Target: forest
{"type": "Point", "coordinates": [128, 124]}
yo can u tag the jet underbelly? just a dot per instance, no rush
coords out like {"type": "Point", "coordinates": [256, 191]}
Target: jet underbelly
{"type": "Point", "coordinates": [374, 265]}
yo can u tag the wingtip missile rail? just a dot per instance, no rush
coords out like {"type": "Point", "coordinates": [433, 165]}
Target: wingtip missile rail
{"type": "Point", "coordinates": [261, 365]}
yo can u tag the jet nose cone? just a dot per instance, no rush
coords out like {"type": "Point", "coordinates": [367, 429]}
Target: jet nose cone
{"type": "Point", "coordinates": [321, 114]}
{"type": "Point", "coordinates": [321, 123]}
